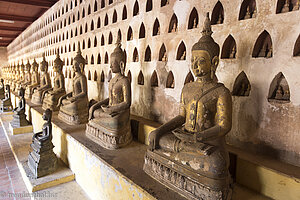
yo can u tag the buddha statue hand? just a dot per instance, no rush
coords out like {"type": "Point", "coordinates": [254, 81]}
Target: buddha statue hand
{"type": "Point", "coordinates": [62, 98]}
{"type": "Point", "coordinates": [153, 140]}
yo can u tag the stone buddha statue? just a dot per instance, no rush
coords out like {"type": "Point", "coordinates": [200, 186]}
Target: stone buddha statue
{"type": "Point", "coordinates": [109, 119]}
{"type": "Point", "coordinates": [42, 160]}
{"type": "Point", "coordinates": [21, 77]}
{"type": "Point", "coordinates": [5, 104]}
{"type": "Point", "coordinates": [45, 84]}
{"type": "Point", "coordinates": [51, 97]}
{"type": "Point", "coordinates": [19, 116]}
{"type": "Point", "coordinates": [15, 78]}
{"type": "Point", "coordinates": [74, 106]}
{"type": "Point", "coordinates": [187, 154]}
{"type": "Point", "coordinates": [2, 92]}
{"type": "Point", "coordinates": [27, 78]}
{"type": "Point", "coordinates": [35, 80]}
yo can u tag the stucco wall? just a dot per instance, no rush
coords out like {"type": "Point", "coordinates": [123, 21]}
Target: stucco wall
{"type": "Point", "coordinates": [257, 124]}
{"type": "Point", "coordinates": [3, 58]}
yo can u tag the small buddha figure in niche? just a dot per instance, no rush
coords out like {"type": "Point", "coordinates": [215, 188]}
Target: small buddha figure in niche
{"type": "Point", "coordinates": [51, 97]}
{"type": "Point", "coordinates": [35, 80]}
{"type": "Point", "coordinates": [183, 55]}
{"type": "Point", "coordinates": [19, 116]}
{"type": "Point", "coordinates": [233, 52]}
{"type": "Point", "coordinates": [158, 30]}
{"type": "Point", "coordinates": [279, 93]}
{"type": "Point", "coordinates": [42, 160]}
{"type": "Point", "coordinates": [220, 19]}
{"type": "Point", "coordinates": [74, 106]}
{"type": "Point", "coordinates": [109, 123]}
{"type": "Point", "coordinates": [190, 149]}
{"type": "Point", "coordinates": [2, 91]}
{"type": "Point", "coordinates": [296, 7]}
{"type": "Point", "coordinates": [165, 58]}
{"type": "Point", "coordinates": [45, 84]}
{"type": "Point", "coordinates": [269, 51]}
{"type": "Point", "coordinates": [27, 78]}
{"type": "Point", "coordinates": [195, 23]}
{"type": "Point", "coordinates": [254, 13]}
{"type": "Point", "coordinates": [131, 36]}
{"type": "Point", "coordinates": [286, 7]}
{"type": "Point", "coordinates": [174, 27]}
{"type": "Point", "coordinates": [5, 104]}
{"type": "Point", "coordinates": [248, 13]}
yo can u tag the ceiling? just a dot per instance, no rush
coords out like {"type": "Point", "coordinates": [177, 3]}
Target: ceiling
{"type": "Point", "coordinates": [17, 15]}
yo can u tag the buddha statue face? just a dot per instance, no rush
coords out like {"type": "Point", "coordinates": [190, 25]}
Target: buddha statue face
{"type": "Point", "coordinates": [115, 64]}
{"type": "Point", "coordinates": [202, 64]}
{"type": "Point", "coordinates": [47, 115]}
{"type": "Point", "coordinates": [77, 66]}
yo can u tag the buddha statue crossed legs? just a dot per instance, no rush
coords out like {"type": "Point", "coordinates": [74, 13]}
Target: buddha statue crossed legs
{"type": "Point", "coordinates": [109, 120]}
{"type": "Point", "coordinates": [45, 84]}
{"type": "Point", "coordinates": [188, 154]}
{"type": "Point", "coordinates": [35, 80]}
{"type": "Point", "coordinates": [74, 106]}
{"type": "Point", "coordinates": [51, 97]}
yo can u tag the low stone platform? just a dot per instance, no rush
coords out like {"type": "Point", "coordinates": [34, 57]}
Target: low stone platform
{"type": "Point", "coordinates": [20, 130]}
{"type": "Point", "coordinates": [20, 145]}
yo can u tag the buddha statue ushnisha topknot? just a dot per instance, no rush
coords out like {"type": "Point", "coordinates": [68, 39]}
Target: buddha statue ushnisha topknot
{"type": "Point", "coordinates": [51, 97]}
{"type": "Point", "coordinates": [74, 106]}
{"type": "Point", "coordinates": [45, 84]}
{"type": "Point", "coordinates": [187, 154]}
{"type": "Point", "coordinates": [109, 119]}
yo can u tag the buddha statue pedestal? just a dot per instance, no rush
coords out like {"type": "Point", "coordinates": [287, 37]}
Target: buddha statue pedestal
{"type": "Point", "coordinates": [42, 160]}
{"type": "Point", "coordinates": [51, 100]}
{"type": "Point", "coordinates": [110, 133]}
{"type": "Point", "coordinates": [5, 104]}
{"type": "Point", "coordinates": [78, 116]}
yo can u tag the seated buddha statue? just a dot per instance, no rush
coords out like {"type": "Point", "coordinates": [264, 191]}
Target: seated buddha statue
{"type": "Point", "coordinates": [35, 80]}
{"type": "Point", "coordinates": [27, 76]}
{"type": "Point", "coordinates": [45, 84]}
{"type": "Point", "coordinates": [5, 104]}
{"type": "Point", "coordinates": [74, 106]}
{"type": "Point", "coordinates": [15, 78]}
{"type": "Point", "coordinates": [21, 77]}
{"type": "Point", "coordinates": [109, 119]}
{"type": "Point", "coordinates": [19, 116]}
{"type": "Point", "coordinates": [42, 160]}
{"type": "Point", "coordinates": [2, 92]}
{"type": "Point", "coordinates": [187, 154]}
{"type": "Point", "coordinates": [51, 97]}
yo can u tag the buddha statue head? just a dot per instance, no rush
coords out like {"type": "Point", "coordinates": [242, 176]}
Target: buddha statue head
{"type": "Point", "coordinates": [205, 53]}
{"type": "Point", "coordinates": [35, 66]}
{"type": "Point", "coordinates": [117, 59]}
{"type": "Point", "coordinates": [21, 92]}
{"type": "Point", "coordinates": [58, 63]}
{"type": "Point", "coordinates": [27, 66]}
{"type": "Point", "coordinates": [47, 115]}
{"type": "Point", "coordinates": [78, 62]}
{"type": "Point", "coordinates": [44, 64]}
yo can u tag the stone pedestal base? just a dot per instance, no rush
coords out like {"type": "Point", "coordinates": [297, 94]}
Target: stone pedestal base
{"type": "Point", "coordinates": [42, 161]}
{"type": "Point", "coordinates": [36, 100]}
{"type": "Point", "coordinates": [73, 119]}
{"type": "Point", "coordinates": [19, 120]}
{"type": "Point", "coordinates": [6, 106]}
{"type": "Point", "coordinates": [184, 180]}
{"type": "Point", "coordinates": [109, 139]}
{"type": "Point", "coordinates": [20, 130]}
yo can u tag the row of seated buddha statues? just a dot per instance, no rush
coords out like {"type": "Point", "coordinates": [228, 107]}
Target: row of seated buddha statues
{"type": "Point", "coordinates": [186, 154]}
{"type": "Point", "coordinates": [5, 101]}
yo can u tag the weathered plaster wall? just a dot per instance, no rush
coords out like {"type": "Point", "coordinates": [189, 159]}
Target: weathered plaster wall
{"type": "Point", "coordinates": [3, 57]}
{"type": "Point", "coordinates": [257, 124]}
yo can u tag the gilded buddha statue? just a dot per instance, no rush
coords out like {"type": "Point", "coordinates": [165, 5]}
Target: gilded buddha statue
{"type": "Point", "coordinates": [109, 120]}
{"type": "Point", "coordinates": [42, 160]}
{"type": "Point", "coordinates": [51, 97]}
{"type": "Point", "coordinates": [35, 80]}
{"type": "Point", "coordinates": [74, 106]}
{"type": "Point", "coordinates": [45, 84]}
{"type": "Point", "coordinates": [187, 154]}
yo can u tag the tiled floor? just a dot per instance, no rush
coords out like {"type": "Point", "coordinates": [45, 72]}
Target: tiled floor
{"type": "Point", "coordinates": [12, 185]}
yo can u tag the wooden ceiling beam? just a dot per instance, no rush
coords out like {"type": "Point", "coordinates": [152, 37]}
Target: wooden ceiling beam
{"type": "Point", "coordinates": [7, 35]}
{"type": "Point", "coordinates": [17, 18]}
{"type": "Point", "coordinates": [37, 3]}
{"type": "Point", "coordinates": [10, 28]}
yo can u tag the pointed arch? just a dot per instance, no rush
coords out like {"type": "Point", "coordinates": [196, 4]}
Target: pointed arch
{"type": "Point", "coordinates": [83, 44]}
{"type": "Point", "coordinates": [142, 32]}
{"type": "Point", "coordinates": [109, 76]}
{"type": "Point", "coordinates": [263, 46]}
{"type": "Point", "coordinates": [78, 16]}
{"type": "Point", "coordinates": [95, 41]}
{"type": "Point", "coordinates": [86, 27]}
{"type": "Point", "coordinates": [148, 54]}
{"type": "Point", "coordinates": [110, 38]}
{"type": "Point", "coordinates": [296, 51]}
{"type": "Point", "coordinates": [170, 80]}
{"type": "Point", "coordinates": [154, 79]}
{"type": "Point", "coordinates": [119, 35]}
{"type": "Point", "coordinates": [106, 58]}
{"type": "Point", "coordinates": [92, 60]}
{"type": "Point", "coordinates": [102, 77]}
{"type": "Point", "coordinates": [129, 76]}
{"type": "Point", "coordinates": [89, 75]}
{"type": "Point", "coordinates": [173, 24]}
{"type": "Point", "coordinates": [95, 76]}
{"type": "Point", "coordinates": [279, 89]}
{"type": "Point", "coordinates": [95, 6]}
{"type": "Point", "coordinates": [115, 17]}
{"type": "Point", "coordinates": [98, 59]}
{"type": "Point", "coordinates": [110, 2]}
{"type": "Point", "coordinates": [89, 9]}
{"type": "Point", "coordinates": [136, 8]}
{"type": "Point", "coordinates": [149, 5]}
{"type": "Point", "coordinates": [248, 10]}
{"type": "Point", "coordinates": [102, 3]}
{"type": "Point", "coordinates": [89, 43]}
{"type": "Point", "coordinates": [229, 48]}
{"type": "Point", "coordinates": [102, 40]}
{"type": "Point", "coordinates": [162, 53]}
{"type": "Point", "coordinates": [189, 78]}
{"type": "Point", "coordinates": [141, 78]}
{"type": "Point", "coordinates": [124, 13]}
{"type": "Point", "coordinates": [129, 34]}
{"type": "Point", "coordinates": [284, 6]}
{"type": "Point", "coordinates": [156, 28]}
{"type": "Point", "coordinates": [135, 57]}
{"type": "Point", "coordinates": [92, 25]}
{"type": "Point", "coordinates": [83, 13]}
{"type": "Point", "coordinates": [164, 3]}
{"type": "Point", "coordinates": [241, 86]}
{"type": "Point", "coordinates": [106, 20]}
{"type": "Point", "coordinates": [98, 23]}
{"type": "Point", "coordinates": [193, 19]}
{"type": "Point", "coordinates": [80, 32]}
{"type": "Point", "coordinates": [181, 52]}
{"type": "Point", "coordinates": [217, 16]}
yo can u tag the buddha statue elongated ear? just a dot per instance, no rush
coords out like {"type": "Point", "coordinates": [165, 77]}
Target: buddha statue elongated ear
{"type": "Point", "coordinates": [81, 66]}
{"type": "Point", "coordinates": [122, 67]}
